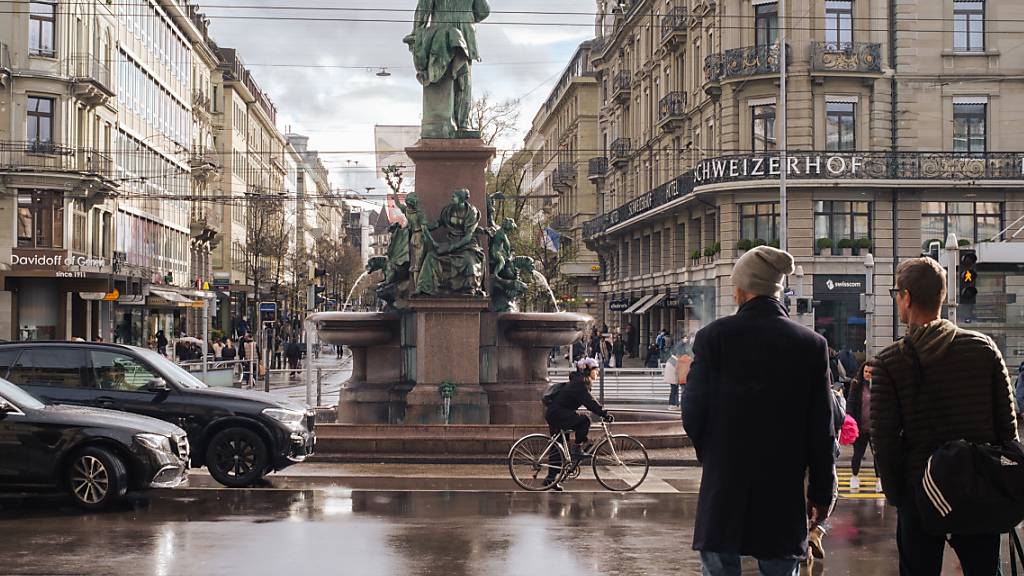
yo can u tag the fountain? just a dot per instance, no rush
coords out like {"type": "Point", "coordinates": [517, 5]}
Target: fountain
{"type": "Point", "coordinates": [355, 285]}
{"type": "Point", "coordinates": [451, 350]}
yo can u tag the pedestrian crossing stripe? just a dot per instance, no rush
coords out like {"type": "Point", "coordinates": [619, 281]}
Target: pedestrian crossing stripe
{"type": "Point", "coordinates": [868, 479]}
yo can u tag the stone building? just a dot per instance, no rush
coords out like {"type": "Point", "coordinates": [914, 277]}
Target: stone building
{"type": "Point", "coordinates": [898, 133]}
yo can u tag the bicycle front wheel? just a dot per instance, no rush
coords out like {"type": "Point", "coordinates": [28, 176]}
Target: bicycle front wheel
{"type": "Point", "coordinates": [620, 463]}
{"type": "Point", "coordinates": [536, 462]}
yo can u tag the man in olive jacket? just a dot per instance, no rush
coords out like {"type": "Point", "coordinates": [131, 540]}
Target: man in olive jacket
{"type": "Point", "coordinates": [758, 407]}
{"type": "Point", "coordinates": [963, 393]}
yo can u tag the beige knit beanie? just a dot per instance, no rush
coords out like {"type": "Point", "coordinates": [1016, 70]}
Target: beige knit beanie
{"type": "Point", "coordinates": [762, 271]}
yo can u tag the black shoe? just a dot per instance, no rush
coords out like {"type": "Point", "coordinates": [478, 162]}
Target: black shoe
{"type": "Point", "coordinates": [580, 451]}
{"type": "Point", "coordinates": [556, 488]}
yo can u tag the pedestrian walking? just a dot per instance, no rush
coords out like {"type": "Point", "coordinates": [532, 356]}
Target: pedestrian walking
{"type": "Point", "coordinates": [758, 374]}
{"type": "Point", "coordinates": [293, 353]}
{"type": "Point", "coordinates": [859, 408]}
{"type": "Point", "coordinates": [653, 356]}
{"type": "Point", "coordinates": [161, 343]}
{"type": "Point", "coordinates": [217, 347]}
{"type": "Point", "coordinates": [684, 361]}
{"type": "Point", "coordinates": [228, 352]}
{"type": "Point", "coordinates": [938, 384]}
{"type": "Point", "coordinates": [628, 335]}
{"type": "Point", "coordinates": [618, 349]}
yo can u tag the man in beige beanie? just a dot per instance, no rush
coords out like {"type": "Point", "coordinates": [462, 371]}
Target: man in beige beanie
{"type": "Point", "coordinates": [758, 398]}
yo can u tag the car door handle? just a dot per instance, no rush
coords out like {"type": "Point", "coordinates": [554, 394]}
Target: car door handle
{"type": "Point", "coordinates": [105, 401]}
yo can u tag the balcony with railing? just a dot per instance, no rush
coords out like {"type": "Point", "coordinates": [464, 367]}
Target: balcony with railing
{"type": "Point", "coordinates": [673, 26]}
{"type": "Point", "coordinates": [712, 74]}
{"type": "Point", "coordinates": [742, 63]}
{"type": "Point", "coordinates": [620, 151]}
{"type": "Point", "coordinates": [91, 79]}
{"type": "Point", "coordinates": [622, 86]}
{"type": "Point", "coordinates": [562, 222]}
{"type": "Point", "coordinates": [204, 163]}
{"type": "Point", "coordinates": [564, 177]}
{"type": "Point", "coordinates": [597, 169]}
{"type": "Point", "coordinates": [672, 111]}
{"type": "Point", "coordinates": [201, 103]}
{"type": "Point", "coordinates": [846, 57]}
{"type": "Point", "coordinates": [39, 159]}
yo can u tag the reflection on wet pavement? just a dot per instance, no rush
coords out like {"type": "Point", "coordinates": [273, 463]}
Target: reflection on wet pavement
{"type": "Point", "coordinates": [340, 531]}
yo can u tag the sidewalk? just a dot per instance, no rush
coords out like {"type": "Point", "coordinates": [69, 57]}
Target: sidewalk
{"type": "Point", "coordinates": [333, 371]}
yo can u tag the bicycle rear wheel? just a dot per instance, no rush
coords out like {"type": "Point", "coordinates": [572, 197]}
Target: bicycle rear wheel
{"type": "Point", "coordinates": [530, 461]}
{"type": "Point", "coordinates": [620, 463]}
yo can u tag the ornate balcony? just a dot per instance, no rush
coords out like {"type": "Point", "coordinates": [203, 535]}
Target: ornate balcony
{"type": "Point", "coordinates": [205, 164]}
{"type": "Point", "coordinates": [622, 86]}
{"type": "Point", "coordinates": [597, 169]}
{"type": "Point", "coordinates": [83, 172]}
{"type": "Point", "coordinates": [712, 74]}
{"type": "Point", "coordinates": [90, 79]}
{"type": "Point", "coordinates": [674, 26]}
{"type": "Point", "coordinates": [564, 177]}
{"type": "Point", "coordinates": [620, 151]}
{"type": "Point", "coordinates": [846, 57]}
{"type": "Point", "coordinates": [202, 106]}
{"type": "Point", "coordinates": [562, 222]}
{"type": "Point", "coordinates": [672, 111]}
{"type": "Point", "coordinates": [750, 61]}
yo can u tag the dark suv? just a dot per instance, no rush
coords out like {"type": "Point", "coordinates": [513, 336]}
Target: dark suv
{"type": "Point", "coordinates": [96, 455]}
{"type": "Point", "coordinates": [239, 435]}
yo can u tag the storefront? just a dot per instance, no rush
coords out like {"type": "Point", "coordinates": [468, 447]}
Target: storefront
{"type": "Point", "coordinates": [837, 311]}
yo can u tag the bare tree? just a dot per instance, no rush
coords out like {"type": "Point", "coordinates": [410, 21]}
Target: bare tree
{"type": "Point", "coordinates": [266, 240]}
{"type": "Point", "coordinates": [343, 266]}
{"type": "Point", "coordinates": [494, 119]}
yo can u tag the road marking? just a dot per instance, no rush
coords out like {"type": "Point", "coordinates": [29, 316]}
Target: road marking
{"type": "Point", "coordinates": [867, 485]}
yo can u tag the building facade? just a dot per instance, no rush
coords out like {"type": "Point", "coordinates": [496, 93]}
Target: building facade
{"type": "Point", "coordinates": [562, 139]}
{"type": "Point", "coordinates": [896, 136]}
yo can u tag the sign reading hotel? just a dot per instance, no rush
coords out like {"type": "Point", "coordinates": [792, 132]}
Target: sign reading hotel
{"type": "Point", "coordinates": [59, 264]}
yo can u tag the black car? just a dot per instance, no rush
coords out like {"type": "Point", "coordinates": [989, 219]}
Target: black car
{"type": "Point", "coordinates": [96, 455]}
{"type": "Point", "coordinates": [239, 435]}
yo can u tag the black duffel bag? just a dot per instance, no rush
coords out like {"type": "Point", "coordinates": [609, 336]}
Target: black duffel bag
{"type": "Point", "coordinates": [973, 488]}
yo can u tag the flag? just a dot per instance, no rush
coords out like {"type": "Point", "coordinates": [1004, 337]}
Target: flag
{"type": "Point", "coordinates": [552, 240]}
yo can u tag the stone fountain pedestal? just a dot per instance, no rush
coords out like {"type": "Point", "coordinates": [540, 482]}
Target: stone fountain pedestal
{"type": "Point", "coordinates": [441, 342]}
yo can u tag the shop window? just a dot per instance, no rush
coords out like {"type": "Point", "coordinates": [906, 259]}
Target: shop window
{"type": "Point", "coordinates": [759, 221]}
{"type": "Point", "coordinates": [763, 128]}
{"type": "Point", "coordinates": [968, 26]}
{"type": "Point", "coordinates": [969, 127]}
{"type": "Point", "coordinates": [970, 221]}
{"type": "Point", "coordinates": [840, 126]}
{"type": "Point", "coordinates": [840, 221]}
{"type": "Point", "coordinates": [40, 220]}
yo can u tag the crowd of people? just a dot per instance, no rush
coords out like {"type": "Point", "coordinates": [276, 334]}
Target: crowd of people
{"type": "Point", "coordinates": [938, 386]}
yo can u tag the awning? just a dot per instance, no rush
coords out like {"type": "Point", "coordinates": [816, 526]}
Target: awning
{"type": "Point", "coordinates": [650, 303]}
{"type": "Point", "coordinates": [92, 296]}
{"type": "Point", "coordinates": [170, 296]}
{"type": "Point", "coordinates": [637, 304]}
{"type": "Point", "coordinates": [132, 300]}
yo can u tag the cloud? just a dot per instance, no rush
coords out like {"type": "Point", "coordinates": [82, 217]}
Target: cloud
{"type": "Point", "coordinates": [337, 108]}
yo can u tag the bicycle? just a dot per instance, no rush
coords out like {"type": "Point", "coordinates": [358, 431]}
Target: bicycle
{"type": "Point", "coordinates": [619, 461]}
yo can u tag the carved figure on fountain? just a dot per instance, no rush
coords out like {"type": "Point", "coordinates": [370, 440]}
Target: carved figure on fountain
{"type": "Point", "coordinates": [461, 257]}
{"type": "Point", "coordinates": [424, 265]}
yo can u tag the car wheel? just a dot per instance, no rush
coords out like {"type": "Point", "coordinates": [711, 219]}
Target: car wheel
{"type": "Point", "coordinates": [237, 457]}
{"type": "Point", "coordinates": [97, 478]}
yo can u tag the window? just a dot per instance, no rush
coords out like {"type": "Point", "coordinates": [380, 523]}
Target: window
{"type": "Point", "coordinates": [840, 127]}
{"type": "Point", "coordinates": [40, 123]}
{"type": "Point", "coordinates": [763, 129]}
{"type": "Point", "coordinates": [971, 221]}
{"type": "Point", "coordinates": [78, 226]}
{"type": "Point", "coordinates": [841, 221]}
{"type": "Point", "coordinates": [42, 19]}
{"type": "Point", "coordinates": [112, 371]}
{"type": "Point", "coordinates": [766, 24]}
{"type": "Point", "coordinates": [40, 220]}
{"type": "Point", "coordinates": [968, 26]}
{"type": "Point", "coordinates": [61, 367]}
{"type": "Point", "coordinates": [839, 24]}
{"type": "Point", "coordinates": [759, 221]}
{"type": "Point", "coordinates": [969, 127]}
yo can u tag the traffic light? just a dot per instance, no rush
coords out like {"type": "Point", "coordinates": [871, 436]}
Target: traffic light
{"type": "Point", "coordinates": [968, 277]}
{"type": "Point", "coordinates": [319, 272]}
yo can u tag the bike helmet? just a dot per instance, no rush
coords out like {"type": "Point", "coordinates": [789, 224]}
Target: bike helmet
{"type": "Point", "coordinates": [586, 364]}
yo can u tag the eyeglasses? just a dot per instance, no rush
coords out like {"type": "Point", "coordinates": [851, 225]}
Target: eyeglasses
{"type": "Point", "coordinates": [894, 292]}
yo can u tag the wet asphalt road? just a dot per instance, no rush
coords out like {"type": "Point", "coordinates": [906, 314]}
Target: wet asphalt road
{"type": "Point", "coordinates": [340, 531]}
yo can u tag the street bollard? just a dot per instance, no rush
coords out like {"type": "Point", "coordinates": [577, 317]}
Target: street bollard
{"type": "Point", "coordinates": [266, 378]}
{"type": "Point", "coordinates": [319, 386]}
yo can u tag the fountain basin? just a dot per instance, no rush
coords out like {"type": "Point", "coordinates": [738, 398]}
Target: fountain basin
{"type": "Point", "coordinates": [356, 329]}
{"type": "Point", "coordinates": [542, 330]}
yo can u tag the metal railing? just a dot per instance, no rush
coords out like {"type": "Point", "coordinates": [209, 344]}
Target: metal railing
{"type": "Point", "coordinates": [90, 69]}
{"type": "Point", "coordinates": [597, 167]}
{"type": "Point", "coordinates": [564, 176]}
{"type": "Point", "coordinates": [201, 101]}
{"type": "Point", "coordinates": [742, 62]}
{"type": "Point", "coordinates": [675, 20]}
{"type": "Point", "coordinates": [622, 84]}
{"type": "Point", "coordinates": [562, 222]}
{"type": "Point", "coordinates": [672, 106]}
{"type": "Point", "coordinates": [628, 385]}
{"type": "Point", "coordinates": [620, 149]}
{"type": "Point", "coordinates": [713, 68]}
{"type": "Point", "coordinates": [846, 57]}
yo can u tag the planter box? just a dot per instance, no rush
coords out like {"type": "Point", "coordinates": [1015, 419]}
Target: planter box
{"type": "Point", "coordinates": [847, 251]}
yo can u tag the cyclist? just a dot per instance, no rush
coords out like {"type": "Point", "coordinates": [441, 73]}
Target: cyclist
{"type": "Point", "coordinates": [561, 414]}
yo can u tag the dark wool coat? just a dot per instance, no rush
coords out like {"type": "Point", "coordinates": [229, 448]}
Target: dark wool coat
{"type": "Point", "coordinates": [758, 407]}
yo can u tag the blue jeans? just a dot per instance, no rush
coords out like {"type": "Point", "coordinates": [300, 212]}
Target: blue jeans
{"type": "Point", "coordinates": [716, 564]}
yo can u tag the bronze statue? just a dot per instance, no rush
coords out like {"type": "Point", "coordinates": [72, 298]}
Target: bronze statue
{"type": "Point", "coordinates": [443, 45]}
{"type": "Point", "coordinates": [462, 258]}
{"type": "Point", "coordinates": [422, 249]}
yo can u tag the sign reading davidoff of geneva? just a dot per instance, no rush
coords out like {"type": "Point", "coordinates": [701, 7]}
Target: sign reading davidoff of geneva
{"type": "Point", "coordinates": [933, 166]}
{"type": "Point", "coordinates": [57, 262]}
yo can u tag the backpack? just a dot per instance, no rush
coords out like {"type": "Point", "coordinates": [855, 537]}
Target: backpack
{"type": "Point", "coordinates": [971, 488]}
{"type": "Point", "coordinates": [552, 392]}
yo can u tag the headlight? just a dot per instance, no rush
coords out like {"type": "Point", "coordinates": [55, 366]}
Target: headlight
{"type": "Point", "coordinates": [155, 442]}
{"type": "Point", "coordinates": [287, 417]}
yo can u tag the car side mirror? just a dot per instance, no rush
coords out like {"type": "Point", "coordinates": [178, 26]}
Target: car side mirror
{"type": "Point", "coordinates": [157, 385]}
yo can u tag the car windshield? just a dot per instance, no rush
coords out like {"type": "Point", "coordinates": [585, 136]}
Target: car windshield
{"type": "Point", "coordinates": [19, 397]}
{"type": "Point", "coordinates": [181, 376]}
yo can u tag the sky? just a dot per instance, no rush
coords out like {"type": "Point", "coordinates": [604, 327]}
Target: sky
{"type": "Point", "coordinates": [523, 56]}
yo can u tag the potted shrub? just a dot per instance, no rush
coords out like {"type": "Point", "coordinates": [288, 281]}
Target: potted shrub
{"type": "Point", "coordinates": [864, 245]}
{"type": "Point", "coordinates": [718, 249]}
{"type": "Point", "coordinates": [744, 246]}
{"type": "Point", "coordinates": [695, 257]}
{"type": "Point", "coordinates": [824, 246]}
{"type": "Point", "coordinates": [709, 254]}
{"type": "Point", "coordinates": [759, 242]}
{"type": "Point", "coordinates": [846, 245]}
{"type": "Point", "coordinates": [775, 243]}
{"type": "Point", "coordinates": [964, 242]}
